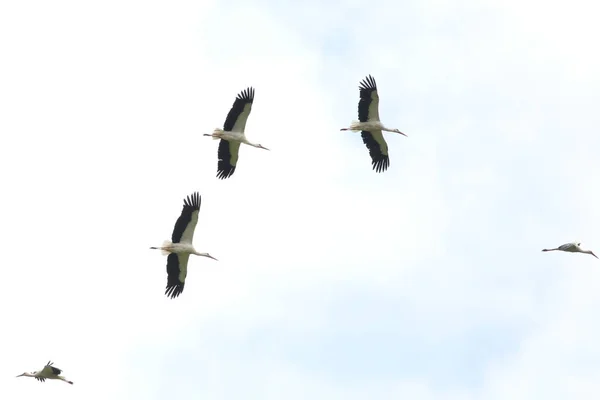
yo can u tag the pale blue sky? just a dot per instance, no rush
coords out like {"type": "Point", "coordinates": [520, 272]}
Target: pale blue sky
{"type": "Point", "coordinates": [334, 282]}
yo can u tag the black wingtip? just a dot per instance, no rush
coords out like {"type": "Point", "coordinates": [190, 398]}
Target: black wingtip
{"type": "Point", "coordinates": [174, 291]}
{"type": "Point", "coordinates": [193, 201]}
{"type": "Point", "coordinates": [381, 165]}
{"type": "Point", "coordinates": [368, 83]}
{"type": "Point", "coordinates": [225, 171]}
{"type": "Point", "coordinates": [247, 94]}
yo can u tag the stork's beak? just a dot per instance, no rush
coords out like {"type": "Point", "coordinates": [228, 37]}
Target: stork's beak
{"type": "Point", "coordinates": [263, 147]}
{"type": "Point", "coordinates": [594, 255]}
{"type": "Point", "coordinates": [209, 256]}
{"type": "Point", "coordinates": [403, 134]}
{"type": "Point", "coordinates": [21, 375]}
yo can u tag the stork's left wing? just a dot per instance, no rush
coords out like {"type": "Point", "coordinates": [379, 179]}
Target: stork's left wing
{"type": "Point", "coordinates": [228, 156]}
{"type": "Point", "coordinates": [378, 150]}
{"type": "Point", "coordinates": [176, 273]}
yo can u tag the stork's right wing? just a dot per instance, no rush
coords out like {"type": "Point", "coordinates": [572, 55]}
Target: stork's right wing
{"type": "Point", "coordinates": [567, 246]}
{"type": "Point", "coordinates": [49, 370]}
{"type": "Point", "coordinates": [238, 115]}
{"type": "Point", "coordinates": [368, 106]}
{"type": "Point", "coordinates": [186, 223]}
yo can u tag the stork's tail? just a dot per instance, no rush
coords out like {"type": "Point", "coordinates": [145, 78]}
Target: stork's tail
{"type": "Point", "coordinates": [216, 135]}
{"type": "Point", "coordinates": [354, 126]}
{"type": "Point", "coordinates": [166, 243]}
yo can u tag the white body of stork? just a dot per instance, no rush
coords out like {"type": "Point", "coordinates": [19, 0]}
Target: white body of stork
{"type": "Point", "coordinates": [573, 247]}
{"type": "Point", "coordinates": [232, 134]}
{"type": "Point", "coordinates": [370, 126]}
{"type": "Point", "coordinates": [48, 372]}
{"type": "Point", "coordinates": [180, 247]}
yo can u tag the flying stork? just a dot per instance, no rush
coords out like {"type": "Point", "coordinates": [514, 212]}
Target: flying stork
{"type": "Point", "coordinates": [368, 122]}
{"type": "Point", "coordinates": [48, 372]}
{"type": "Point", "coordinates": [180, 247]}
{"type": "Point", "coordinates": [232, 134]}
{"type": "Point", "coordinates": [572, 247]}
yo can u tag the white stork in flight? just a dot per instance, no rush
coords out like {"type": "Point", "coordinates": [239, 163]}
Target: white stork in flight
{"type": "Point", "coordinates": [368, 122]}
{"type": "Point", "coordinates": [48, 372]}
{"type": "Point", "coordinates": [232, 134]}
{"type": "Point", "coordinates": [572, 247]}
{"type": "Point", "coordinates": [180, 247]}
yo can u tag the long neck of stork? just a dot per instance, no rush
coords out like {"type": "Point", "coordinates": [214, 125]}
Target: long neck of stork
{"type": "Point", "coordinates": [204, 255]}
{"type": "Point", "coordinates": [257, 145]}
{"type": "Point", "coordinates": [249, 143]}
